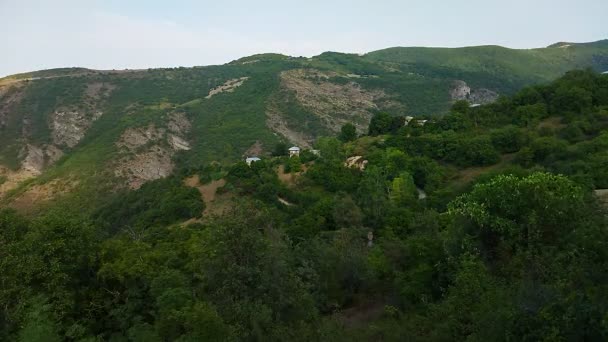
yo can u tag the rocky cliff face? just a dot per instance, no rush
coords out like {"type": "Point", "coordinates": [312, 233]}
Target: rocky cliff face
{"type": "Point", "coordinates": [147, 152]}
{"type": "Point", "coordinates": [70, 126]}
{"type": "Point", "coordinates": [332, 103]}
{"type": "Point", "coordinates": [461, 91]}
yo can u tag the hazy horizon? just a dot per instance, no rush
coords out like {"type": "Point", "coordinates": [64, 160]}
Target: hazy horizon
{"type": "Point", "coordinates": [137, 35]}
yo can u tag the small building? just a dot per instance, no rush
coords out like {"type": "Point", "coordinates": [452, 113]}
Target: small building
{"type": "Point", "coordinates": [408, 119]}
{"type": "Point", "coordinates": [316, 152]}
{"type": "Point", "coordinates": [294, 151]}
{"type": "Point", "coordinates": [421, 122]}
{"type": "Point", "coordinates": [605, 73]}
{"type": "Point", "coordinates": [474, 105]}
{"type": "Point", "coordinates": [250, 160]}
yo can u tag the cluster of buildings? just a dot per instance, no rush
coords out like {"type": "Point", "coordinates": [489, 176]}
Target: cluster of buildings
{"type": "Point", "coordinates": [293, 151]}
{"type": "Point", "coordinates": [410, 119]}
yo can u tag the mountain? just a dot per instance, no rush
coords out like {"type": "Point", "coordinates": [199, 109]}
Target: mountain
{"type": "Point", "coordinates": [75, 128]}
{"type": "Point", "coordinates": [488, 223]}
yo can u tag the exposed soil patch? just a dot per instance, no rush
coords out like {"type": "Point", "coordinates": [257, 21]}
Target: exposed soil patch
{"type": "Point", "coordinates": [38, 194]}
{"type": "Point", "coordinates": [11, 179]}
{"type": "Point", "coordinates": [468, 174]}
{"type": "Point", "coordinates": [335, 104]}
{"type": "Point", "coordinates": [602, 194]}
{"type": "Point", "coordinates": [209, 194]}
{"type": "Point", "coordinates": [154, 163]}
{"type": "Point", "coordinates": [254, 150]}
{"type": "Point", "coordinates": [228, 87]}
{"type": "Point", "coordinates": [290, 179]}
{"type": "Point", "coordinates": [147, 152]}
{"type": "Point", "coordinates": [69, 126]}
{"type": "Point", "coordinates": [552, 122]}
{"type": "Point", "coordinates": [144, 159]}
{"type": "Point", "coordinates": [179, 123]}
{"type": "Point", "coordinates": [133, 138]}
{"type": "Point", "coordinates": [277, 122]}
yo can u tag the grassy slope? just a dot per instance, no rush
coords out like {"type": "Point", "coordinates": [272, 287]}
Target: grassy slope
{"type": "Point", "coordinates": [494, 66]}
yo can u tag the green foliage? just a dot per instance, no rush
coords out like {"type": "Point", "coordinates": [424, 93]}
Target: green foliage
{"type": "Point", "coordinates": [39, 325]}
{"type": "Point", "coordinates": [348, 132]}
{"type": "Point", "coordinates": [280, 149]}
{"type": "Point", "coordinates": [403, 190]}
{"type": "Point", "coordinates": [441, 236]}
{"type": "Point", "coordinates": [383, 123]}
{"type": "Point", "coordinates": [160, 202]}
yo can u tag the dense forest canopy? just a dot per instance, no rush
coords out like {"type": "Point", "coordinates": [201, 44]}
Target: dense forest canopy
{"type": "Point", "coordinates": [480, 225]}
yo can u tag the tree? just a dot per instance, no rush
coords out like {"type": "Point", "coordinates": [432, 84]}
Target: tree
{"type": "Point", "coordinates": [461, 106]}
{"type": "Point", "coordinates": [380, 123]}
{"type": "Point", "coordinates": [371, 195]}
{"type": "Point", "coordinates": [403, 190]}
{"type": "Point", "coordinates": [513, 213]}
{"type": "Point", "coordinates": [346, 213]}
{"type": "Point", "coordinates": [280, 149]}
{"type": "Point", "coordinates": [294, 164]}
{"type": "Point", "coordinates": [40, 325]}
{"type": "Point", "coordinates": [348, 132]}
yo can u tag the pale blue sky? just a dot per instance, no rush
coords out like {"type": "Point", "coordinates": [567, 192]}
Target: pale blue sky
{"type": "Point", "coordinates": [140, 34]}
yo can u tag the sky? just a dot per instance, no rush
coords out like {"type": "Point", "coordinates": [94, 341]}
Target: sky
{"type": "Point", "coordinates": [134, 34]}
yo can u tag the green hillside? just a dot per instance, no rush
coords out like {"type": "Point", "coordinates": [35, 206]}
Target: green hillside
{"type": "Point", "coordinates": [114, 128]}
{"type": "Point", "coordinates": [497, 67]}
{"type": "Point", "coordinates": [489, 223]}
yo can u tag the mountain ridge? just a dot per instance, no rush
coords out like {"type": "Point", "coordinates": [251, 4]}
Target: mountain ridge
{"type": "Point", "coordinates": [96, 126]}
{"type": "Point", "coordinates": [35, 73]}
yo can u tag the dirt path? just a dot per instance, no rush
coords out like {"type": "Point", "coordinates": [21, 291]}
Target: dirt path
{"type": "Point", "coordinates": [468, 174]}
{"type": "Point", "coordinates": [284, 201]}
{"type": "Point", "coordinates": [602, 194]}
{"type": "Point", "coordinates": [11, 179]}
{"type": "Point", "coordinates": [208, 193]}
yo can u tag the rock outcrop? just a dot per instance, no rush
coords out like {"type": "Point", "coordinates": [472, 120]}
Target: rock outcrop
{"type": "Point", "coordinates": [461, 91]}
{"type": "Point", "coordinates": [36, 158]}
{"type": "Point", "coordinates": [70, 126]}
{"type": "Point", "coordinates": [356, 162]}
{"type": "Point", "coordinates": [228, 87]}
{"type": "Point", "coordinates": [147, 152]}
{"type": "Point", "coordinates": [335, 104]}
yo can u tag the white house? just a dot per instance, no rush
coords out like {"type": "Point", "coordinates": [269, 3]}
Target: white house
{"type": "Point", "coordinates": [605, 73]}
{"type": "Point", "coordinates": [474, 105]}
{"type": "Point", "coordinates": [294, 151]}
{"type": "Point", "coordinates": [408, 119]}
{"type": "Point", "coordinates": [252, 160]}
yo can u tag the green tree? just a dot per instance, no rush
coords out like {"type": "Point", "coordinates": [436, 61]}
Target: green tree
{"type": "Point", "coordinates": [403, 190]}
{"type": "Point", "coordinates": [461, 106]}
{"type": "Point", "coordinates": [372, 195]}
{"type": "Point", "coordinates": [40, 325]}
{"type": "Point", "coordinates": [380, 123]}
{"type": "Point", "coordinates": [280, 149]}
{"type": "Point", "coordinates": [348, 132]}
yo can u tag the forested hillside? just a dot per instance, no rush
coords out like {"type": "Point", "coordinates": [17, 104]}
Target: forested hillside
{"type": "Point", "coordinates": [487, 223]}
{"type": "Point", "coordinates": [94, 131]}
